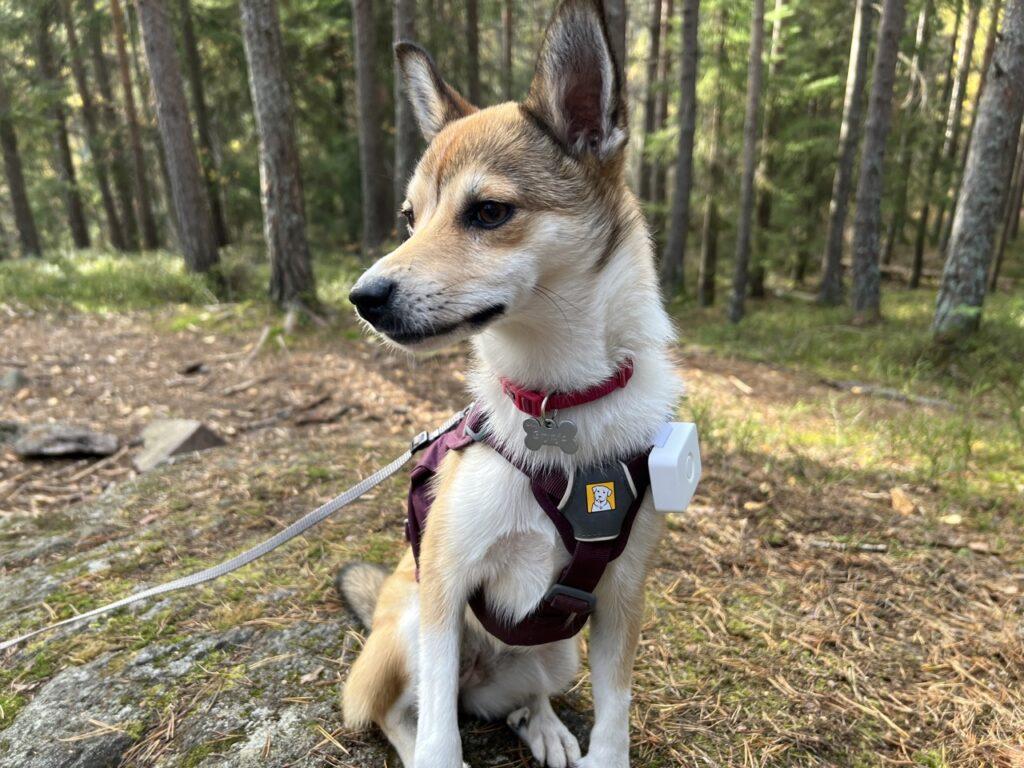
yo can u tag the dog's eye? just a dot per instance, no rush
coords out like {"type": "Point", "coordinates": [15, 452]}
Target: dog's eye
{"type": "Point", "coordinates": [489, 214]}
{"type": "Point", "coordinates": [410, 217]}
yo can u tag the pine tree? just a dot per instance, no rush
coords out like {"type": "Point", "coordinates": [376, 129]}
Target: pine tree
{"type": "Point", "coordinates": [24, 221]}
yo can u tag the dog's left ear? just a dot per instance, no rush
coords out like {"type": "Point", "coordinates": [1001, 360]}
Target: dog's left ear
{"type": "Point", "coordinates": [576, 91]}
{"type": "Point", "coordinates": [434, 102]}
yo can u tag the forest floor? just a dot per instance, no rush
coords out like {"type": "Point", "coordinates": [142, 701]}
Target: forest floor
{"type": "Point", "coordinates": [847, 588]}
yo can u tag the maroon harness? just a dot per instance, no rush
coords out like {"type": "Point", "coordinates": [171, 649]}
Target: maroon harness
{"type": "Point", "coordinates": [564, 610]}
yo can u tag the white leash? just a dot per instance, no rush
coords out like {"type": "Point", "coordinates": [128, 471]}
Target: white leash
{"type": "Point", "coordinates": [300, 526]}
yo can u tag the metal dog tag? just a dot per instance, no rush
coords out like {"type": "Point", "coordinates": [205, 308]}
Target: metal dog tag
{"type": "Point", "coordinates": [548, 431]}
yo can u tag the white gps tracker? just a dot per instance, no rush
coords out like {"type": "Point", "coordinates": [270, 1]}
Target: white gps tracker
{"type": "Point", "coordinates": [675, 466]}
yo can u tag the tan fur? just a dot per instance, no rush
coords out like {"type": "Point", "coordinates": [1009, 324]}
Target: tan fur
{"type": "Point", "coordinates": [379, 675]}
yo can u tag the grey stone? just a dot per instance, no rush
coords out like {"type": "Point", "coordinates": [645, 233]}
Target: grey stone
{"type": "Point", "coordinates": [173, 437]}
{"type": "Point", "coordinates": [13, 380]}
{"type": "Point", "coordinates": [59, 441]}
{"type": "Point", "coordinates": [9, 431]}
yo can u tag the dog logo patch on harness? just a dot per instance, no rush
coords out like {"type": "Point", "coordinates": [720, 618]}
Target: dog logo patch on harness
{"type": "Point", "coordinates": [600, 497]}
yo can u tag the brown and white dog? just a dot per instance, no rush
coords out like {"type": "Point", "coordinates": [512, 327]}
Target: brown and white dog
{"type": "Point", "coordinates": [524, 237]}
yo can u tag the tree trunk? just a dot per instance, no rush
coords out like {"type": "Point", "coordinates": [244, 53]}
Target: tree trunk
{"type": "Point", "coordinates": [674, 260]}
{"type": "Point", "coordinates": [1009, 210]}
{"type": "Point", "coordinates": [908, 137]}
{"type": "Point", "coordinates": [63, 163]}
{"type": "Point", "coordinates": [376, 210]}
{"type": "Point", "coordinates": [933, 161]}
{"type": "Point", "coordinates": [284, 211]}
{"type": "Point", "coordinates": [755, 74]}
{"type": "Point", "coordinates": [207, 153]}
{"type": "Point", "coordinates": [155, 9]}
{"type": "Point", "coordinates": [659, 181]}
{"type": "Point", "coordinates": [407, 134]}
{"type": "Point", "coordinates": [712, 223]}
{"type": "Point", "coordinates": [24, 221]}
{"type": "Point", "coordinates": [195, 223]}
{"type": "Point", "coordinates": [962, 293]}
{"type": "Point", "coordinates": [615, 17]}
{"type": "Point", "coordinates": [92, 131]}
{"type": "Point", "coordinates": [473, 51]}
{"type": "Point", "coordinates": [765, 168]}
{"type": "Point", "coordinates": [986, 62]}
{"type": "Point", "coordinates": [650, 98]}
{"type": "Point", "coordinates": [867, 229]}
{"type": "Point", "coordinates": [831, 289]}
{"type": "Point", "coordinates": [507, 41]}
{"type": "Point", "coordinates": [954, 124]}
{"type": "Point", "coordinates": [120, 172]}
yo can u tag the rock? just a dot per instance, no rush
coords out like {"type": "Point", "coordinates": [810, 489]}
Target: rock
{"type": "Point", "coordinates": [173, 437]}
{"type": "Point", "coordinates": [13, 380]}
{"type": "Point", "coordinates": [59, 441]}
{"type": "Point", "coordinates": [9, 431]}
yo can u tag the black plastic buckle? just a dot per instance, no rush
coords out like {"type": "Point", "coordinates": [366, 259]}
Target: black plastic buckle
{"type": "Point", "coordinates": [570, 599]}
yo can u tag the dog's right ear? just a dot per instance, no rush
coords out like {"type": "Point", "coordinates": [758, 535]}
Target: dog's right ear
{"type": "Point", "coordinates": [434, 102]}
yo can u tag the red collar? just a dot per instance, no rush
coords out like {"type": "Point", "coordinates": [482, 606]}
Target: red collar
{"type": "Point", "coordinates": [529, 401]}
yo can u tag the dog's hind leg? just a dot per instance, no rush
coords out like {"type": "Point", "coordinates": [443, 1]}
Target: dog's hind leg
{"type": "Point", "coordinates": [545, 734]}
{"type": "Point", "coordinates": [515, 685]}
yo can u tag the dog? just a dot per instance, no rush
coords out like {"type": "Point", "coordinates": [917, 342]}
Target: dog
{"type": "Point", "coordinates": [525, 238]}
{"type": "Point", "coordinates": [602, 494]}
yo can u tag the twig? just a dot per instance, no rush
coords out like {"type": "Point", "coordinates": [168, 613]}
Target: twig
{"type": "Point", "coordinates": [886, 393]}
{"type": "Point", "coordinates": [264, 335]}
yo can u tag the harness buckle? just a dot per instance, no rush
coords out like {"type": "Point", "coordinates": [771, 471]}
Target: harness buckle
{"type": "Point", "coordinates": [421, 441]}
{"type": "Point", "coordinates": [570, 600]}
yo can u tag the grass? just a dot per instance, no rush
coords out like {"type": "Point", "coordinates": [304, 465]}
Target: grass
{"type": "Point", "coordinates": [97, 281]}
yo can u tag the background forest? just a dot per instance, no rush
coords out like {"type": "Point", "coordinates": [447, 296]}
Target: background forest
{"type": "Point", "coordinates": [835, 190]}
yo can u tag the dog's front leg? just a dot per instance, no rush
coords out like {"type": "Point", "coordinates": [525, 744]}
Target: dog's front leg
{"type": "Point", "coordinates": [614, 634]}
{"type": "Point", "coordinates": [438, 744]}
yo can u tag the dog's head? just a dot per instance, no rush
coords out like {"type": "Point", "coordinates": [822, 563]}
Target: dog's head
{"type": "Point", "coordinates": [507, 197]}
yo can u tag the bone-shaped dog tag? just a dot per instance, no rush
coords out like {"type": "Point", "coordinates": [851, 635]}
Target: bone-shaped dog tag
{"type": "Point", "coordinates": [547, 431]}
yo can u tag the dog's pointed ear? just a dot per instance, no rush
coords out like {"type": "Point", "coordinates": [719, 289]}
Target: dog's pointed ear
{"type": "Point", "coordinates": [434, 102]}
{"type": "Point", "coordinates": [576, 91]}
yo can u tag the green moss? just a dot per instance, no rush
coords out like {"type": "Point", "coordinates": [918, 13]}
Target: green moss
{"type": "Point", "coordinates": [200, 753]}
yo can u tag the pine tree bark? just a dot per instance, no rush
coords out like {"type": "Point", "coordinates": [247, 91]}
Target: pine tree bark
{"type": "Point", "coordinates": [207, 152]}
{"type": "Point", "coordinates": [650, 98]}
{"type": "Point", "coordinates": [673, 262]}
{"type": "Point", "coordinates": [766, 165]}
{"type": "Point", "coordinates": [100, 167]}
{"type": "Point", "coordinates": [156, 10]}
{"type": "Point", "coordinates": [615, 17]}
{"type": "Point", "coordinates": [908, 136]}
{"type": "Point", "coordinates": [376, 209]}
{"type": "Point", "coordinates": [755, 76]}
{"type": "Point", "coordinates": [63, 163]}
{"type": "Point", "coordinates": [830, 291]}
{"type": "Point", "coordinates": [507, 43]}
{"type": "Point", "coordinates": [473, 51]}
{"type": "Point", "coordinates": [24, 221]}
{"type": "Point", "coordinates": [659, 180]}
{"type": "Point", "coordinates": [933, 160]}
{"type": "Point", "coordinates": [986, 62]}
{"type": "Point", "coordinates": [962, 292]}
{"type": "Point", "coordinates": [113, 140]}
{"type": "Point", "coordinates": [709, 240]}
{"type": "Point", "coordinates": [954, 123]}
{"type": "Point", "coordinates": [407, 135]}
{"type": "Point", "coordinates": [284, 211]}
{"type": "Point", "coordinates": [1011, 195]}
{"type": "Point", "coordinates": [867, 230]}
{"type": "Point", "coordinates": [191, 205]}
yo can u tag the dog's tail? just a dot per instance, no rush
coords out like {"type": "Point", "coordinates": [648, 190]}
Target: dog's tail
{"type": "Point", "coordinates": [359, 585]}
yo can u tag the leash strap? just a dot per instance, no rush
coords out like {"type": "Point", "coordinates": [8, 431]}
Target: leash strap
{"type": "Point", "coordinates": [300, 526]}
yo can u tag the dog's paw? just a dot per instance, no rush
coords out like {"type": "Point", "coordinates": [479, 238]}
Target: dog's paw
{"type": "Point", "coordinates": [549, 740]}
{"type": "Point", "coordinates": [596, 761]}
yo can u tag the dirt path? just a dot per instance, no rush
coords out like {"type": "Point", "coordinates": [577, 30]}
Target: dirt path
{"type": "Point", "coordinates": [796, 617]}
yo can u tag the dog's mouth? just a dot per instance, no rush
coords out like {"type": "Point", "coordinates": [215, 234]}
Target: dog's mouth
{"type": "Point", "coordinates": [408, 335]}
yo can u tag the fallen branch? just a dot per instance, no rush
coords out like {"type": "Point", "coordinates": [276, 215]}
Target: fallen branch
{"type": "Point", "coordinates": [886, 393]}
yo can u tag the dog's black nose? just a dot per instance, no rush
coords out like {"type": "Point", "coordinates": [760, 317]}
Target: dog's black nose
{"type": "Point", "coordinates": [372, 298]}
